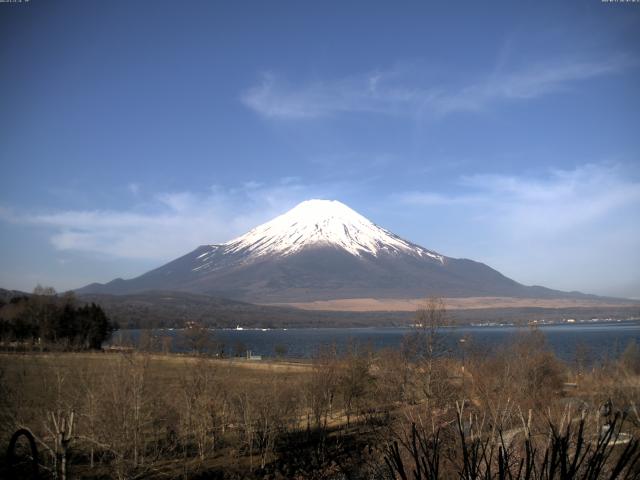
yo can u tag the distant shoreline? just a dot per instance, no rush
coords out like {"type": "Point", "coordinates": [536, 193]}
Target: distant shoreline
{"type": "Point", "coordinates": [576, 324]}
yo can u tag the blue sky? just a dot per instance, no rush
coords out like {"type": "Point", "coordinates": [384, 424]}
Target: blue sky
{"type": "Point", "coordinates": [505, 132]}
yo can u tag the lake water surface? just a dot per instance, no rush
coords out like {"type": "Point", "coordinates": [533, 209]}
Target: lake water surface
{"type": "Point", "coordinates": [602, 339]}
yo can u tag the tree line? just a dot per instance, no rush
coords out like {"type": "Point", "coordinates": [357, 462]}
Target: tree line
{"type": "Point", "coordinates": [48, 319]}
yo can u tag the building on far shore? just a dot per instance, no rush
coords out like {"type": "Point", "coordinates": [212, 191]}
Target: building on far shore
{"type": "Point", "coordinates": [251, 356]}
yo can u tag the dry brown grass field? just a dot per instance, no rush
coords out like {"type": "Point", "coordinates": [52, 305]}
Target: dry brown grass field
{"type": "Point", "coordinates": [151, 415]}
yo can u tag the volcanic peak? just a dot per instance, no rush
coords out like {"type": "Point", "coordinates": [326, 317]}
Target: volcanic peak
{"type": "Point", "coordinates": [323, 223]}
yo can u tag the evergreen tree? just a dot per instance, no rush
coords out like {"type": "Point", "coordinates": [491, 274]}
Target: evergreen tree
{"type": "Point", "coordinates": [46, 317]}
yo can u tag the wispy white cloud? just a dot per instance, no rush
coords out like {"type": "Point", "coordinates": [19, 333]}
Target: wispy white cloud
{"type": "Point", "coordinates": [405, 92]}
{"type": "Point", "coordinates": [167, 224]}
{"type": "Point", "coordinates": [574, 229]}
{"type": "Point", "coordinates": [274, 97]}
{"type": "Point", "coordinates": [551, 204]}
{"type": "Point", "coordinates": [436, 199]}
{"type": "Point", "coordinates": [534, 81]}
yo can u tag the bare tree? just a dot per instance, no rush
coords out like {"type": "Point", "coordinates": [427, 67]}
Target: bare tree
{"type": "Point", "coordinates": [39, 290]}
{"type": "Point", "coordinates": [129, 407]}
{"type": "Point", "coordinates": [244, 405]}
{"type": "Point", "coordinates": [630, 357]}
{"type": "Point", "coordinates": [430, 318]}
{"type": "Point", "coordinates": [89, 380]}
{"type": "Point", "coordinates": [355, 380]}
{"type": "Point", "coordinates": [200, 340]}
{"type": "Point", "coordinates": [322, 385]}
{"type": "Point", "coordinates": [62, 432]}
{"type": "Point", "coordinates": [274, 411]}
{"type": "Point", "coordinates": [202, 406]}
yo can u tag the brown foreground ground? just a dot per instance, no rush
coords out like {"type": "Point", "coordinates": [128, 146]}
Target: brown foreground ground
{"type": "Point", "coordinates": [146, 415]}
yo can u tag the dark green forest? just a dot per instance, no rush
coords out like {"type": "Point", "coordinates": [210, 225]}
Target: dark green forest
{"type": "Point", "coordinates": [47, 319]}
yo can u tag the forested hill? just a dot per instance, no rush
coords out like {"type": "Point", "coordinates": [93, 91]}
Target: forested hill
{"type": "Point", "coordinates": [174, 309]}
{"type": "Point", "coordinates": [45, 318]}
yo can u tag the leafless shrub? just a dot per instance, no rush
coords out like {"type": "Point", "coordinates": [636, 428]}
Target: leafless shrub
{"type": "Point", "coordinates": [567, 452]}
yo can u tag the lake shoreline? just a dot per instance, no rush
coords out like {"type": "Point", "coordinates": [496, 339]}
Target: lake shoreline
{"type": "Point", "coordinates": [602, 339]}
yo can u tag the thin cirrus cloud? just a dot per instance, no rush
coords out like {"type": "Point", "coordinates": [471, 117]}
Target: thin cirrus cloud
{"type": "Point", "coordinates": [167, 224]}
{"type": "Point", "coordinates": [553, 204]}
{"type": "Point", "coordinates": [400, 92]}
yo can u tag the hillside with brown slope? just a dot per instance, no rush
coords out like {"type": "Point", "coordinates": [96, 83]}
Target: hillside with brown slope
{"type": "Point", "coordinates": [468, 303]}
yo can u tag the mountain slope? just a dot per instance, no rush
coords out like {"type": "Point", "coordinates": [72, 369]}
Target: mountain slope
{"type": "Point", "coordinates": [322, 250]}
{"type": "Point", "coordinates": [155, 309]}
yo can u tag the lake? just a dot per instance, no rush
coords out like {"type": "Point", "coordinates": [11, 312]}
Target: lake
{"type": "Point", "coordinates": [602, 339]}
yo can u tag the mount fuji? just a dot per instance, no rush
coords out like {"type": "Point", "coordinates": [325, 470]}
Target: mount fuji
{"type": "Point", "coordinates": [323, 250]}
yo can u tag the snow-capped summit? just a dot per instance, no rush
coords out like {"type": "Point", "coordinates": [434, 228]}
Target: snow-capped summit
{"type": "Point", "coordinates": [322, 223]}
{"type": "Point", "coordinates": [321, 250]}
